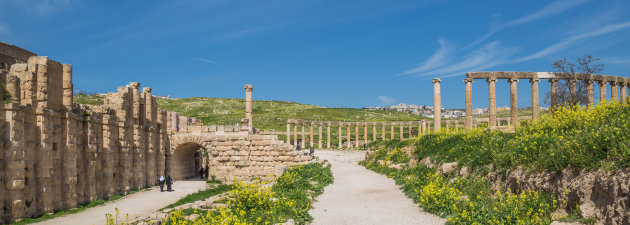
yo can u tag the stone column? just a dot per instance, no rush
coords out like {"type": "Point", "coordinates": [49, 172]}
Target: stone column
{"type": "Point", "coordinates": [288, 133]}
{"type": "Point", "coordinates": [535, 106]}
{"type": "Point", "coordinates": [589, 92]}
{"type": "Point", "coordinates": [391, 136]}
{"type": "Point", "coordinates": [554, 92]}
{"type": "Point", "coordinates": [492, 106]}
{"type": "Point", "coordinates": [373, 131]}
{"type": "Point", "coordinates": [448, 124]}
{"type": "Point", "coordinates": [624, 94]}
{"type": "Point", "coordinates": [402, 134]}
{"type": "Point", "coordinates": [410, 129]}
{"type": "Point", "coordinates": [437, 104]}
{"type": "Point", "coordinates": [573, 90]}
{"type": "Point", "coordinates": [513, 100]}
{"type": "Point", "coordinates": [319, 143]}
{"type": "Point", "coordinates": [311, 134]}
{"type": "Point", "coordinates": [349, 137]}
{"type": "Point", "coordinates": [383, 131]}
{"type": "Point", "coordinates": [328, 135]}
{"type": "Point", "coordinates": [295, 135]}
{"type": "Point", "coordinates": [303, 137]}
{"type": "Point", "coordinates": [356, 135]}
{"type": "Point", "coordinates": [468, 99]}
{"type": "Point", "coordinates": [339, 135]}
{"type": "Point", "coordinates": [613, 91]}
{"type": "Point", "coordinates": [602, 90]}
{"type": "Point", "coordinates": [248, 103]}
{"type": "Point", "coordinates": [67, 85]}
{"type": "Point", "coordinates": [456, 126]}
{"type": "Point", "coordinates": [420, 131]}
{"type": "Point", "coordinates": [424, 127]}
{"type": "Point", "coordinates": [365, 133]}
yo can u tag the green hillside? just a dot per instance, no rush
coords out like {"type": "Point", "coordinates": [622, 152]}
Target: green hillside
{"type": "Point", "coordinates": [268, 115]}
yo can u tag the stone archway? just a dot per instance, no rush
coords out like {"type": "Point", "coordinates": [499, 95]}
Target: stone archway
{"type": "Point", "coordinates": [187, 156]}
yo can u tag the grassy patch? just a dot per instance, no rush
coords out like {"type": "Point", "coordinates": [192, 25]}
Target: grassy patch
{"type": "Point", "coordinates": [256, 203]}
{"type": "Point", "coordinates": [465, 200]}
{"type": "Point", "coordinates": [201, 195]}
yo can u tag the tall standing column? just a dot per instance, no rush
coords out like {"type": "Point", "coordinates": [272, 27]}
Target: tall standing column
{"type": "Point", "coordinates": [448, 125]}
{"type": "Point", "coordinates": [410, 129]}
{"type": "Point", "coordinates": [365, 133]}
{"type": "Point", "coordinates": [624, 96]}
{"type": "Point", "coordinates": [535, 106]}
{"type": "Point", "coordinates": [391, 136]}
{"type": "Point", "coordinates": [589, 92]}
{"type": "Point", "coordinates": [248, 104]}
{"type": "Point", "coordinates": [402, 134]}
{"type": "Point", "coordinates": [554, 92]}
{"type": "Point", "coordinates": [437, 104]}
{"type": "Point", "coordinates": [468, 99]}
{"type": "Point", "coordinates": [319, 143]}
{"type": "Point", "coordinates": [349, 137]}
{"type": "Point", "coordinates": [339, 135]}
{"type": "Point", "coordinates": [383, 131]}
{"type": "Point", "coordinates": [613, 91]}
{"type": "Point", "coordinates": [602, 90]}
{"type": "Point", "coordinates": [356, 135]}
{"type": "Point", "coordinates": [573, 90]}
{"type": "Point", "coordinates": [424, 127]}
{"type": "Point", "coordinates": [328, 135]}
{"type": "Point", "coordinates": [514, 100]}
{"type": "Point", "coordinates": [492, 106]}
{"type": "Point", "coordinates": [311, 135]}
{"type": "Point", "coordinates": [295, 135]}
{"type": "Point", "coordinates": [288, 133]}
{"type": "Point", "coordinates": [373, 131]}
{"type": "Point", "coordinates": [303, 136]}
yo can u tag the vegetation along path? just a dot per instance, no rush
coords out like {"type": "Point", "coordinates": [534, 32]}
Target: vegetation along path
{"type": "Point", "coordinates": [360, 196]}
{"type": "Point", "coordinates": [142, 203]}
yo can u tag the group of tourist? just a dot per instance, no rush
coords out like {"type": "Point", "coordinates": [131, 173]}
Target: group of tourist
{"type": "Point", "coordinates": [168, 181]}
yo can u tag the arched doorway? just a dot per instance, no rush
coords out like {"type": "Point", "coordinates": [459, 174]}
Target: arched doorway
{"type": "Point", "coordinates": [186, 161]}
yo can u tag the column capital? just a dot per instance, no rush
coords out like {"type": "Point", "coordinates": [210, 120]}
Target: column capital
{"type": "Point", "coordinates": [589, 81]}
{"type": "Point", "coordinates": [553, 80]}
{"type": "Point", "coordinates": [512, 79]}
{"type": "Point", "coordinates": [436, 80]}
{"type": "Point", "coordinates": [491, 79]}
{"type": "Point", "coordinates": [613, 82]}
{"type": "Point", "coordinates": [533, 80]}
{"type": "Point", "coordinates": [469, 80]}
{"type": "Point", "coordinates": [249, 87]}
{"type": "Point", "coordinates": [573, 81]}
{"type": "Point", "coordinates": [601, 83]}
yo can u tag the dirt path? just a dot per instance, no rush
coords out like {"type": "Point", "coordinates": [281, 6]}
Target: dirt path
{"type": "Point", "coordinates": [360, 196]}
{"type": "Point", "coordinates": [138, 204]}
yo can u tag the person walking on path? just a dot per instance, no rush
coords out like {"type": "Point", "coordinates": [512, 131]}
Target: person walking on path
{"type": "Point", "coordinates": [169, 182]}
{"type": "Point", "coordinates": [161, 182]}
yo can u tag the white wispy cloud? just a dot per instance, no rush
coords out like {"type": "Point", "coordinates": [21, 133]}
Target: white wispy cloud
{"type": "Point", "coordinates": [491, 54]}
{"type": "Point", "coordinates": [242, 33]}
{"type": "Point", "coordinates": [206, 61]}
{"type": "Point", "coordinates": [554, 8]}
{"type": "Point", "coordinates": [615, 60]}
{"type": "Point", "coordinates": [439, 58]}
{"type": "Point", "coordinates": [575, 38]}
{"type": "Point", "coordinates": [386, 100]}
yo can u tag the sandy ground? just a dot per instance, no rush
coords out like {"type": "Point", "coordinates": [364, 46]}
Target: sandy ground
{"type": "Point", "coordinates": [360, 196]}
{"type": "Point", "coordinates": [142, 203]}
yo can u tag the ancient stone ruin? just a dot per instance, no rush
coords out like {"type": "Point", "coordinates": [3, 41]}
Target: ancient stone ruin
{"type": "Point", "coordinates": [57, 154]}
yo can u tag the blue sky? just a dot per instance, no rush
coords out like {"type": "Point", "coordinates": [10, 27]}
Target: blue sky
{"type": "Point", "coordinates": [332, 53]}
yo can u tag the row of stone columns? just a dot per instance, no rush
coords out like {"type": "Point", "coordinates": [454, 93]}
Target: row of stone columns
{"type": "Point", "coordinates": [492, 110]}
{"type": "Point", "coordinates": [422, 127]}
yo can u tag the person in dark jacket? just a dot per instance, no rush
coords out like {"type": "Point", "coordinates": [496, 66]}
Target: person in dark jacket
{"type": "Point", "coordinates": [207, 171]}
{"type": "Point", "coordinates": [201, 173]}
{"type": "Point", "coordinates": [169, 182]}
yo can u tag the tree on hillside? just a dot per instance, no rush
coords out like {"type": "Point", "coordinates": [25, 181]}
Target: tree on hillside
{"type": "Point", "coordinates": [563, 68]}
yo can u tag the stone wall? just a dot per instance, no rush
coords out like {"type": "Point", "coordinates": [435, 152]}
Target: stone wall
{"type": "Point", "coordinates": [56, 154]}
{"type": "Point", "coordinates": [240, 156]}
{"type": "Point", "coordinates": [10, 54]}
